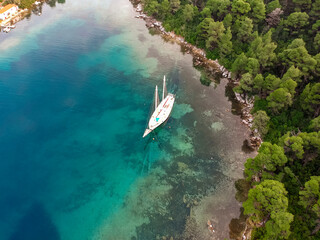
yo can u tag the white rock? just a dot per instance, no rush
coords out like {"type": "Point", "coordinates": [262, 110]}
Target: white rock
{"type": "Point", "coordinates": [245, 122]}
{"type": "Point", "coordinates": [139, 8]}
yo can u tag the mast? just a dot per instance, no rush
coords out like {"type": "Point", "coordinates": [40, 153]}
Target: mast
{"type": "Point", "coordinates": [164, 91]}
{"type": "Point", "coordinates": [156, 98]}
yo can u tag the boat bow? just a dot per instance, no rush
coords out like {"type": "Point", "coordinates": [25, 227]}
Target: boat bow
{"type": "Point", "coordinates": [146, 132]}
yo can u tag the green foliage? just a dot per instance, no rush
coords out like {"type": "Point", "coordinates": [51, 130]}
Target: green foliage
{"type": "Point", "coordinates": [310, 99]}
{"type": "Point", "coordinates": [297, 55]}
{"type": "Point", "coordinates": [289, 85]}
{"type": "Point", "coordinates": [152, 7]}
{"type": "Point", "coordinates": [302, 5]}
{"type": "Point", "coordinates": [225, 44]}
{"type": "Point", "coordinates": [258, 82]}
{"type": "Point", "coordinates": [277, 59]}
{"type": "Point", "coordinates": [239, 65]}
{"type": "Point", "coordinates": [316, 26]}
{"type": "Point", "coordinates": [253, 66]}
{"type": "Point", "coordinates": [174, 5]}
{"type": "Point", "coordinates": [243, 28]}
{"type": "Point", "coordinates": [206, 13]}
{"type": "Point", "coordinates": [302, 145]}
{"type": "Point", "coordinates": [164, 8]}
{"type": "Point", "coordinates": [271, 82]}
{"type": "Point", "coordinates": [240, 7]}
{"type": "Point", "coordinates": [269, 199]}
{"type": "Point", "coordinates": [295, 144]}
{"type": "Point", "coordinates": [317, 68]}
{"type": "Point", "coordinates": [296, 21]}
{"type": "Point", "coordinates": [260, 122]}
{"type": "Point", "coordinates": [227, 21]}
{"type": "Point", "coordinates": [202, 31]}
{"type": "Point", "coordinates": [310, 196]}
{"type": "Point", "coordinates": [292, 73]}
{"type": "Point", "coordinates": [258, 10]}
{"type": "Point", "coordinates": [311, 142]}
{"type": "Point", "coordinates": [278, 227]}
{"type": "Point", "coordinates": [315, 11]}
{"type": "Point", "coordinates": [269, 158]}
{"type": "Point", "coordinates": [279, 99]}
{"type": "Point", "coordinates": [246, 84]}
{"type": "Point", "coordinates": [315, 124]}
{"type": "Point", "coordinates": [289, 120]}
{"type": "Point", "coordinates": [219, 8]}
{"type": "Point", "coordinates": [262, 48]}
{"type": "Point", "coordinates": [188, 13]}
{"type": "Point", "coordinates": [316, 41]}
{"type": "Point", "coordinates": [215, 32]}
{"type": "Point", "coordinates": [23, 3]}
{"type": "Point", "coordinates": [272, 6]}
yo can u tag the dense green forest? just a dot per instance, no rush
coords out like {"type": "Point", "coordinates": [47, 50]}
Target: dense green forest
{"type": "Point", "coordinates": [273, 48]}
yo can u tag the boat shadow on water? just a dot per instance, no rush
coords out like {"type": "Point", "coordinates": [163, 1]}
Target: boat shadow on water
{"type": "Point", "coordinates": [152, 144]}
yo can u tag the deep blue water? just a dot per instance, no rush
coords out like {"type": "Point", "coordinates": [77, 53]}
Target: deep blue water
{"type": "Point", "coordinates": [75, 92]}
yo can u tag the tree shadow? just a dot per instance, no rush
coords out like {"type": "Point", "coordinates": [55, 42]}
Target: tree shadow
{"type": "Point", "coordinates": [246, 148]}
{"type": "Point", "coordinates": [236, 106]}
{"type": "Point", "coordinates": [36, 224]}
{"type": "Point", "coordinates": [237, 226]}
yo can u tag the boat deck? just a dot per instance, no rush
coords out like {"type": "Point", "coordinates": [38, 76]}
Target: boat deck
{"type": "Point", "coordinates": [162, 112]}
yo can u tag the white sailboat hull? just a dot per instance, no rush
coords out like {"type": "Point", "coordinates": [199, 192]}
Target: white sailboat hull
{"type": "Point", "coordinates": [161, 114]}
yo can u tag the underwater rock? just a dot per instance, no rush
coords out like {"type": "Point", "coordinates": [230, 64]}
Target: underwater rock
{"type": "Point", "coordinates": [182, 167]}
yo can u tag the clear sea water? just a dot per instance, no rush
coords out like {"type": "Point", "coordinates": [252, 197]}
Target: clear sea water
{"type": "Point", "coordinates": [76, 85]}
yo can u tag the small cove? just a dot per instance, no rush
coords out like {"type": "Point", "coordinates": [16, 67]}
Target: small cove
{"type": "Point", "coordinates": [76, 88]}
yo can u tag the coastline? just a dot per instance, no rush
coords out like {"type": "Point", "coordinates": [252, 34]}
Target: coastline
{"type": "Point", "coordinates": [201, 170]}
{"type": "Point", "coordinates": [196, 175]}
{"type": "Point", "coordinates": [240, 228]}
{"type": "Point", "coordinates": [211, 67]}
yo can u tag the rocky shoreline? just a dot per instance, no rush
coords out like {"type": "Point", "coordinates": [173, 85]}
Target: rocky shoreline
{"type": "Point", "coordinates": [211, 66]}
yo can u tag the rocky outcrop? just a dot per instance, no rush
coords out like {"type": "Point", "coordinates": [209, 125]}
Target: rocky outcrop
{"type": "Point", "coordinates": [198, 54]}
{"type": "Point", "coordinates": [247, 119]}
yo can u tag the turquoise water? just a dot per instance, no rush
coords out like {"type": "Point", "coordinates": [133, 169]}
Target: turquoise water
{"type": "Point", "coordinates": [75, 92]}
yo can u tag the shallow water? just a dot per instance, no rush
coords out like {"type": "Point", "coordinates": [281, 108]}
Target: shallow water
{"type": "Point", "coordinates": [75, 92]}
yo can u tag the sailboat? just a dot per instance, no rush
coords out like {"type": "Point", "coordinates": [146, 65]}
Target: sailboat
{"type": "Point", "coordinates": [162, 110]}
